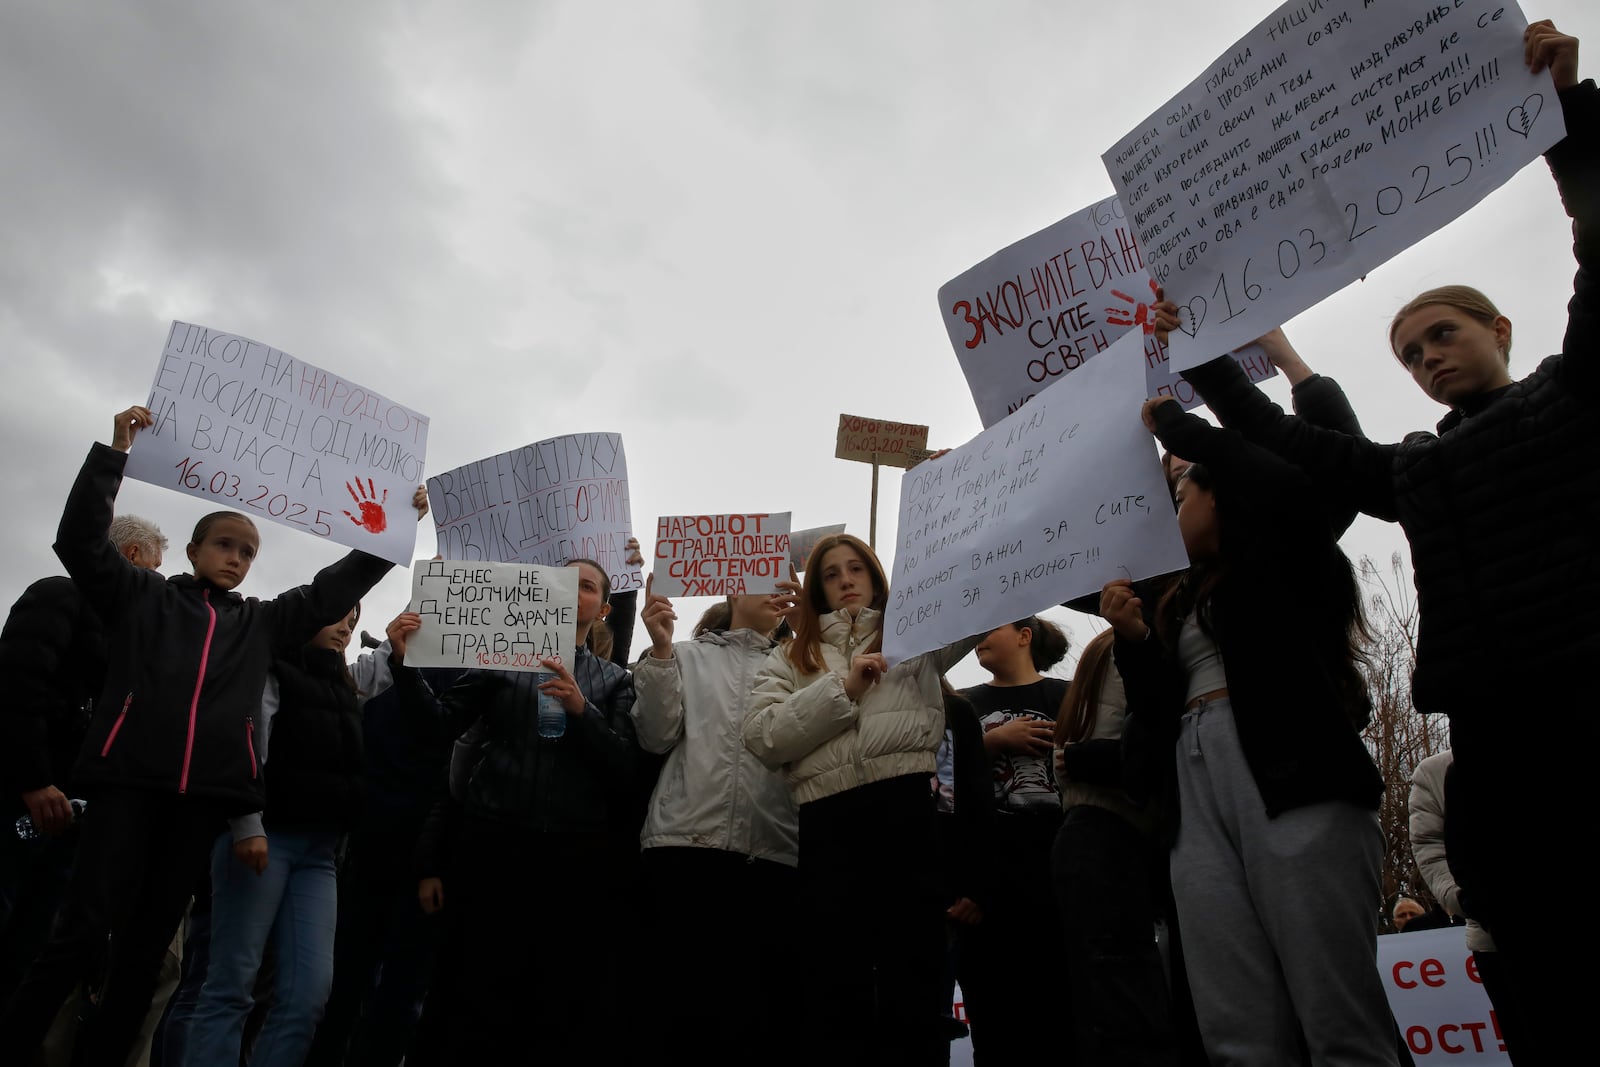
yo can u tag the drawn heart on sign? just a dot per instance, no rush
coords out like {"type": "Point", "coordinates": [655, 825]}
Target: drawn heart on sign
{"type": "Point", "coordinates": [1189, 319]}
{"type": "Point", "coordinates": [1520, 119]}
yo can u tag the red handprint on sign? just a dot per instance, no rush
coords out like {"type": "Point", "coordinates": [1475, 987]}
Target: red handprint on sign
{"type": "Point", "coordinates": [1139, 315]}
{"type": "Point", "coordinates": [372, 519]}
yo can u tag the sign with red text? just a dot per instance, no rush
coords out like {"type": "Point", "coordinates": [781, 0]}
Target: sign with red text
{"type": "Point", "coordinates": [801, 542]}
{"type": "Point", "coordinates": [1046, 505]}
{"type": "Point", "coordinates": [504, 616]}
{"type": "Point", "coordinates": [1038, 309]}
{"type": "Point", "coordinates": [245, 426]}
{"type": "Point", "coordinates": [1329, 138]}
{"type": "Point", "coordinates": [1438, 999]}
{"type": "Point", "coordinates": [720, 555]}
{"type": "Point", "coordinates": [550, 502]}
{"type": "Point", "coordinates": [878, 440]}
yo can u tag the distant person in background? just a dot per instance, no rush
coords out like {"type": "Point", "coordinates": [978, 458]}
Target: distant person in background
{"type": "Point", "coordinates": [1405, 909]}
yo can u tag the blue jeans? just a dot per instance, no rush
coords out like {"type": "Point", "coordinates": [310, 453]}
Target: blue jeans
{"type": "Point", "coordinates": [295, 901]}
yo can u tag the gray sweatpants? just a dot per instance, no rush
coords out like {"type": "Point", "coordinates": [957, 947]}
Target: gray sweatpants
{"type": "Point", "coordinates": [1276, 915]}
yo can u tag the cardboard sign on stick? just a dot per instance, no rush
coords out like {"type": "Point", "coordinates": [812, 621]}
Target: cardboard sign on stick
{"type": "Point", "coordinates": [720, 555]}
{"type": "Point", "coordinates": [1326, 140]}
{"type": "Point", "coordinates": [506, 616]}
{"type": "Point", "coordinates": [1045, 506]}
{"type": "Point", "coordinates": [878, 440]}
{"type": "Point", "coordinates": [550, 502]}
{"type": "Point", "coordinates": [247, 427]}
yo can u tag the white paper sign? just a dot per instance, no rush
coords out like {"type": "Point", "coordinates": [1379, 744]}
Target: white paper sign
{"type": "Point", "coordinates": [505, 616]}
{"type": "Point", "coordinates": [1045, 506]}
{"type": "Point", "coordinates": [550, 502]}
{"type": "Point", "coordinates": [720, 555]}
{"type": "Point", "coordinates": [1329, 138]}
{"type": "Point", "coordinates": [1036, 310]}
{"type": "Point", "coordinates": [801, 542]}
{"type": "Point", "coordinates": [1440, 1005]}
{"type": "Point", "coordinates": [247, 427]}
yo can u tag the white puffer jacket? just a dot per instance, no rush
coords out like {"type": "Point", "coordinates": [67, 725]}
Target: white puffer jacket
{"type": "Point", "coordinates": [824, 742]}
{"type": "Point", "coordinates": [711, 792]}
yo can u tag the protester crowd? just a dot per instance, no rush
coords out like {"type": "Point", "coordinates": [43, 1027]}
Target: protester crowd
{"type": "Point", "coordinates": [761, 843]}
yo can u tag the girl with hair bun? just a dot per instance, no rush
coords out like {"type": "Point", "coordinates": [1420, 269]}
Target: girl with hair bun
{"type": "Point", "coordinates": [1014, 947]}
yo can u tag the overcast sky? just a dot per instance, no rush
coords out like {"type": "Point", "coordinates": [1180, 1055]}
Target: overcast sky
{"type": "Point", "coordinates": [711, 226]}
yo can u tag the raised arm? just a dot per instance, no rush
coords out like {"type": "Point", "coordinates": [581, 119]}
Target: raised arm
{"type": "Point", "coordinates": [1575, 163]}
{"type": "Point", "coordinates": [299, 613]}
{"type": "Point", "coordinates": [1354, 467]}
{"type": "Point", "coordinates": [105, 578]}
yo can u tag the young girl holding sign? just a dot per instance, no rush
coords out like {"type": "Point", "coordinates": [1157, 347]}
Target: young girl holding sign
{"type": "Point", "coordinates": [1500, 509]}
{"type": "Point", "coordinates": [856, 742]}
{"type": "Point", "coordinates": [525, 865]}
{"type": "Point", "coordinates": [167, 756]}
{"type": "Point", "coordinates": [721, 830]}
{"type": "Point", "coordinates": [1246, 706]}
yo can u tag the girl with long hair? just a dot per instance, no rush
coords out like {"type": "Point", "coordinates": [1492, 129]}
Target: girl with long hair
{"type": "Point", "coordinates": [855, 742]}
{"type": "Point", "coordinates": [1499, 508]}
{"type": "Point", "coordinates": [1246, 704]}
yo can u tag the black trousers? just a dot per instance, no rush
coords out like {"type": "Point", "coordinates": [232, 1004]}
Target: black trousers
{"type": "Point", "coordinates": [1010, 969]}
{"type": "Point", "coordinates": [723, 926]}
{"type": "Point", "coordinates": [1104, 870]}
{"type": "Point", "coordinates": [1515, 804]}
{"type": "Point", "coordinates": [527, 973]}
{"type": "Point", "coordinates": [874, 934]}
{"type": "Point", "coordinates": [138, 861]}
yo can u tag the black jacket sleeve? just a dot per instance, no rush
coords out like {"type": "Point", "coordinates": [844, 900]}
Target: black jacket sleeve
{"type": "Point", "coordinates": [37, 641]}
{"type": "Point", "coordinates": [1575, 162]}
{"type": "Point", "coordinates": [105, 578]}
{"type": "Point", "coordinates": [606, 725]}
{"type": "Point", "coordinates": [1355, 468]}
{"type": "Point", "coordinates": [336, 589]}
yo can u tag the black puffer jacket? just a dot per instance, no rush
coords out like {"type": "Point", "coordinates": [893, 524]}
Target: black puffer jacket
{"type": "Point", "coordinates": [1502, 506]}
{"type": "Point", "coordinates": [314, 769]}
{"type": "Point", "coordinates": [186, 661]}
{"type": "Point", "coordinates": [53, 653]}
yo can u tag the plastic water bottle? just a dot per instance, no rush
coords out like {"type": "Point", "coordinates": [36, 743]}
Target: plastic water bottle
{"type": "Point", "coordinates": [552, 716]}
{"type": "Point", "coordinates": [28, 832]}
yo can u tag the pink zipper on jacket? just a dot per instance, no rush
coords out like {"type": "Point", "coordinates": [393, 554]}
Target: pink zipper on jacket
{"type": "Point", "coordinates": [200, 679]}
{"type": "Point", "coordinates": [250, 742]}
{"type": "Point", "coordinates": [116, 726]}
